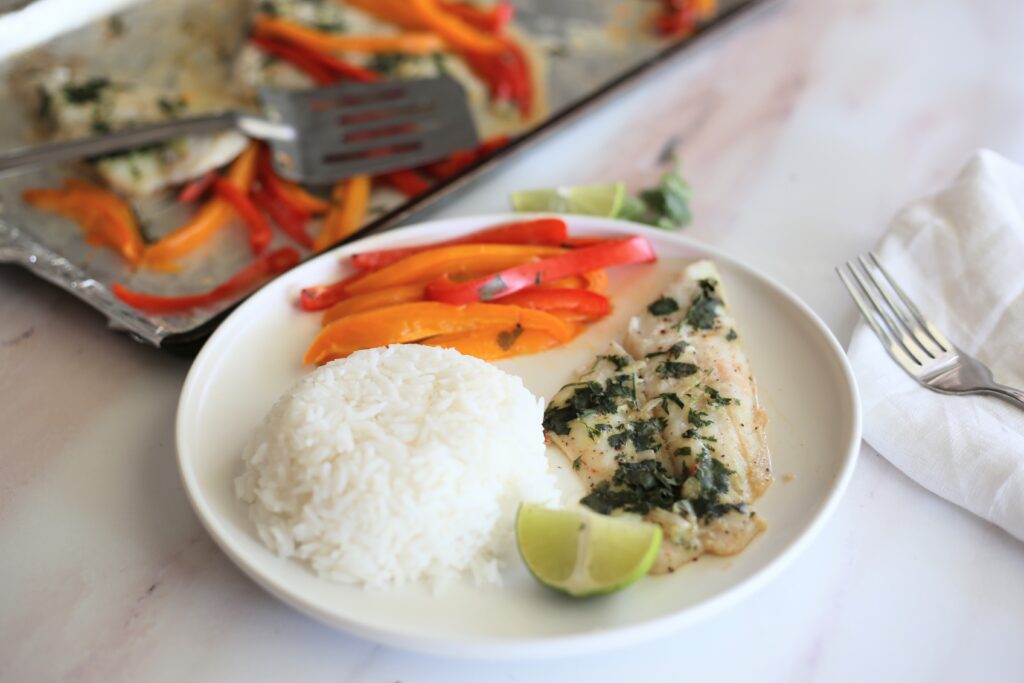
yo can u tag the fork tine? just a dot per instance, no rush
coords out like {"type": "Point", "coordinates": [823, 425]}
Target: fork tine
{"type": "Point", "coordinates": [891, 345]}
{"type": "Point", "coordinates": [914, 333]}
{"type": "Point", "coordinates": [894, 330]}
{"type": "Point", "coordinates": [932, 331]}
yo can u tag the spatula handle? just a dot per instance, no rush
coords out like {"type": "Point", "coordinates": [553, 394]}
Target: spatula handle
{"type": "Point", "coordinates": [132, 138]}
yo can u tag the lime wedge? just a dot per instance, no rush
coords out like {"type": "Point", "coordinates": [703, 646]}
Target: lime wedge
{"type": "Point", "coordinates": [583, 553]}
{"type": "Point", "coordinates": [588, 200]}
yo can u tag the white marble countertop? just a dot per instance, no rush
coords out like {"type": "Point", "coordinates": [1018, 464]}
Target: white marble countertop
{"type": "Point", "coordinates": [801, 133]}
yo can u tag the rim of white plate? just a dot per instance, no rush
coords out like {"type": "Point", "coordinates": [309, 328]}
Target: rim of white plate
{"type": "Point", "coordinates": [476, 647]}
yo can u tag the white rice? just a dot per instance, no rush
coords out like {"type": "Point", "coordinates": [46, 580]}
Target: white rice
{"type": "Point", "coordinates": [397, 465]}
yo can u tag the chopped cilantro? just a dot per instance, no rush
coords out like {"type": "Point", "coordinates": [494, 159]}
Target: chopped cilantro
{"type": "Point", "coordinates": [697, 418]}
{"type": "Point", "coordinates": [704, 308]}
{"type": "Point", "coordinates": [663, 306]}
{"type": "Point", "coordinates": [387, 63]}
{"type": "Point", "coordinates": [506, 338]}
{"type": "Point", "coordinates": [645, 435]}
{"type": "Point", "coordinates": [731, 336]}
{"type": "Point", "coordinates": [670, 398]}
{"type": "Point", "coordinates": [618, 361]}
{"type": "Point", "coordinates": [685, 450]}
{"type": "Point", "coordinates": [635, 487]}
{"type": "Point", "coordinates": [577, 463]}
{"type": "Point", "coordinates": [172, 107]}
{"type": "Point", "coordinates": [715, 398]}
{"type": "Point", "coordinates": [590, 398]}
{"type": "Point", "coordinates": [88, 91]}
{"type": "Point", "coordinates": [673, 351]}
{"type": "Point", "coordinates": [671, 369]}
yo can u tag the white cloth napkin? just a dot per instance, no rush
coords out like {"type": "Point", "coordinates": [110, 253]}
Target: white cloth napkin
{"type": "Point", "coordinates": [960, 257]}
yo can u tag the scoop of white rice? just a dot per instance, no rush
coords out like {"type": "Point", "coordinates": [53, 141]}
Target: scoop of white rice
{"type": "Point", "coordinates": [397, 465]}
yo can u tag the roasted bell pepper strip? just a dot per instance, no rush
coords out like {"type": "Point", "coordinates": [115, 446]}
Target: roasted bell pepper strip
{"type": "Point", "coordinates": [410, 183]}
{"type": "Point", "coordinates": [454, 260]}
{"type": "Point", "coordinates": [420, 320]}
{"type": "Point", "coordinates": [597, 280]}
{"type": "Point", "coordinates": [323, 68]}
{"type": "Point", "coordinates": [396, 12]}
{"type": "Point", "coordinates": [461, 160]}
{"type": "Point", "coordinates": [211, 217]}
{"type": "Point", "coordinates": [320, 297]}
{"type": "Point", "coordinates": [584, 303]}
{"type": "Point", "coordinates": [196, 189]}
{"type": "Point", "coordinates": [630, 250]}
{"type": "Point", "coordinates": [268, 265]}
{"type": "Point", "coordinates": [260, 234]}
{"type": "Point", "coordinates": [291, 221]}
{"type": "Point", "coordinates": [103, 216]}
{"type": "Point", "coordinates": [495, 343]}
{"type": "Point", "coordinates": [454, 30]}
{"type": "Point", "coordinates": [351, 200]}
{"type": "Point", "coordinates": [287, 191]}
{"type": "Point", "coordinates": [492, 20]}
{"type": "Point", "coordinates": [391, 296]}
{"type": "Point", "coordinates": [549, 231]}
{"type": "Point", "coordinates": [405, 43]}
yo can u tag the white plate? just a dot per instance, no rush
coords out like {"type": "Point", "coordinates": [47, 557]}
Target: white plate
{"type": "Point", "coordinates": [804, 382]}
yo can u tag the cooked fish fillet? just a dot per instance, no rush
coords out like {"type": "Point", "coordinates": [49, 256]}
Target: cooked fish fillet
{"type": "Point", "coordinates": [668, 425]}
{"type": "Point", "coordinates": [94, 106]}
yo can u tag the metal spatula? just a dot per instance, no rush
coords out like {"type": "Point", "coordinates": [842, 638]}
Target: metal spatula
{"type": "Point", "coordinates": [317, 136]}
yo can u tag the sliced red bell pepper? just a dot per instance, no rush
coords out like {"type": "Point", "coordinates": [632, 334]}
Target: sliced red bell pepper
{"type": "Point", "coordinates": [461, 160]}
{"type": "Point", "coordinates": [270, 264]}
{"type": "Point", "coordinates": [489, 288]}
{"type": "Point", "coordinates": [589, 305]}
{"type": "Point", "coordinates": [291, 221]}
{"type": "Point", "coordinates": [545, 231]}
{"type": "Point", "coordinates": [297, 57]}
{"type": "Point", "coordinates": [409, 183]}
{"type": "Point", "coordinates": [322, 297]}
{"type": "Point", "coordinates": [260, 234]}
{"type": "Point", "coordinates": [322, 67]}
{"type": "Point", "coordinates": [197, 189]}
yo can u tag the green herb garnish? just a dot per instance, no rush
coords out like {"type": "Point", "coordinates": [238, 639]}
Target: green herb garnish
{"type": "Point", "coordinates": [89, 91]}
{"type": "Point", "coordinates": [704, 309]}
{"type": "Point", "coordinates": [671, 369]}
{"type": "Point", "coordinates": [663, 306]}
{"type": "Point", "coordinates": [635, 487]}
{"type": "Point", "coordinates": [506, 338]}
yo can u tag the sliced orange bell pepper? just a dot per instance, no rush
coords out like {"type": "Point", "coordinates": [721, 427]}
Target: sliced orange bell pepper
{"type": "Point", "coordinates": [494, 343]}
{"type": "Point", "coordinates": [391, 296]}
{"type": "Point", "coordinates": [351, 200]}
{"type": "Point", "coordinates": [104, 217]}
{"type": "Point", "coordinates": [287, 191]}
{"type": "Point", "coordinates": [396, 12]}
{"type": "Point", "coordinates": [405, 43]}
{"type": "Point", "coordinates": [458, 33]}
{"type": "Point", "coordinates": [270, 264]}
{"type": "Point", "coordinates": [452, 261]}
{"type": "Point", "coordinates": [211, 217]}
{"type": "Point", "coordinates": [420, 320]}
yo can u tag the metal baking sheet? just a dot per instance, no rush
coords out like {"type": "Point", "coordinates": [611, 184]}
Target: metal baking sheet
{"type": "Point", "coordinates": [584, 50]}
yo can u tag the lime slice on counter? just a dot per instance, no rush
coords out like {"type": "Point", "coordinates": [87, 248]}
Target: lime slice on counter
{"type": "Point", "coordinates": [583, 553]}
{"type": "Point", "coordinates": [588, 200]}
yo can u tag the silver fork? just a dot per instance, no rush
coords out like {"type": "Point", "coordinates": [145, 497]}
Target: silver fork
{"type": "Point", "coordinates": [912, 340]}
